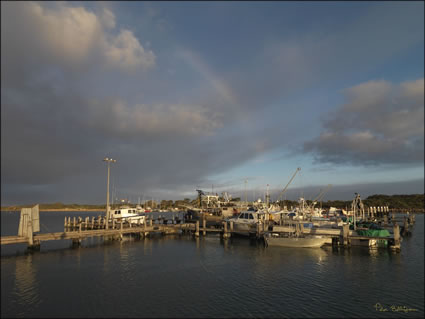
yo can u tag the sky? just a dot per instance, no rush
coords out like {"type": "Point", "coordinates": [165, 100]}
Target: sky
{"type": "Point", "coordinates": [218, 96]}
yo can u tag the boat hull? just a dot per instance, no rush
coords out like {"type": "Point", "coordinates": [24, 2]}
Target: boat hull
{"type": "Point", "coordinates": [296, 242]}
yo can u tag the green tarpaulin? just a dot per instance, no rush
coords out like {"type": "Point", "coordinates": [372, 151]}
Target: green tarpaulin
{"type": "Point", "coordinates": [374, 232]}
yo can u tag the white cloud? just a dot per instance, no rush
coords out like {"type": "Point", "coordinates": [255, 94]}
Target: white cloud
{"type": "Point", "coordinates": [69, 36]}
{"type": "Point", "coordinates": [108, 18]}
{"type": "Point", "coordinates": [125, 50]}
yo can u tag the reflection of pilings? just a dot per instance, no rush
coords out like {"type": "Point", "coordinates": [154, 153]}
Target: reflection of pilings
{"type": "Point", "coordinates": [76, 242]}
{"type": "Point", "coordinates": [25, 280]}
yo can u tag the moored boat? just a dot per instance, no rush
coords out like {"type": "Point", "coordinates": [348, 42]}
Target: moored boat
{"type": "Point", "coordinates": [295, 241]}
{"type": "Point", "coordinates": [129, 214]}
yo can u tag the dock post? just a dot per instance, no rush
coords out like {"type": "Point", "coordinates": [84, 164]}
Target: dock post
{"type": "Point", "coordinates": [396, 245]}
{"type": "Point", "coordinates": [225, 233]}
{"type": "Point", "coordinates": [92, 222]}
{"type": "Point", "coordinates": [405, 226]}
{"type": "Point", "coordinates": [204, 226]}
{"type": "Point", "coordinates": [64, 223]}
{"type": "Point", "coordinates": [231, 227]}
{"type": "Point", "coordinates": [87, 223]}
{"type": "Point", "coordinates": [113, 223]}
{"type": "Point", "coordinates": [197, 229]}
{"type": "Point", "coordinates": [79, 227]}
{"type": "Point", "coordinates": [345, 232]}
{"type": "Point", "coordinates": [258, 229]}
{"type": "Point", "coordinates": [30, 233]}
{"type": "Point", "coordinates": [74, 223]}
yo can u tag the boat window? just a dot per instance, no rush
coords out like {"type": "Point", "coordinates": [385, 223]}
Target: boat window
{"type": "Point", "coordinates": [119, 212]}
{"type": "Point", "coordinates": [250, 216]}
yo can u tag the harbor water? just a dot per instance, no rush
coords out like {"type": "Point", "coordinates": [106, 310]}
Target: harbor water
{"type": "Point", "coordinates": [183, 277]}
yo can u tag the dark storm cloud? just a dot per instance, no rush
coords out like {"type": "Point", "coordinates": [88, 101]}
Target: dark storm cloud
{"type": "Point", "coordinates": [347, 191]}
{"type": "Point", "coordinates": [380, 123]}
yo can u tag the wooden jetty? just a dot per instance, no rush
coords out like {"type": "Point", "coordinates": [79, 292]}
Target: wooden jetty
{"type": "Point", "coordinates": [77, 229]}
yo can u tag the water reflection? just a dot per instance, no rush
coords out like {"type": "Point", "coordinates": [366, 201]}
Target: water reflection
{"type": "Point", "coordinates": [183, 276]}
{"type": "Point", "coordinates": [26, 287]}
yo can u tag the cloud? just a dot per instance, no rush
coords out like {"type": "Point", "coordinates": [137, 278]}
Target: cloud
{"type": "Point", "coordinates": [379, 123]}
{"type": "Point", "coordinates": [116, 118]}
{"type": "Point", "coordinates": [70, 37]}
{"type": "Point", "coordinates": [125, 51]}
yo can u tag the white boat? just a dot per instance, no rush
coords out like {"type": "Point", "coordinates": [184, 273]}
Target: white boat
{"type": "Point", "coordinates": [295, 241]}
{"type": "Point", "coordinates": [247, 221]}
{"type": "Point", "coordinates": [129, 214]}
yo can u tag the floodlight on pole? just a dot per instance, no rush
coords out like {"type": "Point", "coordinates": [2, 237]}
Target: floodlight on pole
{"type": "Point", "coordinates": [108, 160]}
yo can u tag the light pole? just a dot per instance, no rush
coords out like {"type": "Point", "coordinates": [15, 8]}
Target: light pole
{"type": "Point", "coordinates": [108, 160]}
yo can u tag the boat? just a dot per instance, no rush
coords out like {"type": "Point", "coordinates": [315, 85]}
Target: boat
{"type": "Point", "coordinates": [209, 208]}
{"type": "Point", "coordinates": [129, 214]}
{"type": "Point", "coordinates": [247, 221]}
{"type": "Point", "coordinates": [295, 241]}
{"type": "Point", "coordinates": [368, 229]}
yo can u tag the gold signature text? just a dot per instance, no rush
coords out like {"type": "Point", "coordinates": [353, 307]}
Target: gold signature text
{"type": "Point", "coordinates": [393, 308]}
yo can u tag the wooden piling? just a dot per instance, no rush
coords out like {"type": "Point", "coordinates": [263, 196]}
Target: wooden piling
{"type": "Point", "coordinates": [74, 222]}
{"type": "Point", "coordinates": [258, 229]}
{"type": "Point", "coordinates": [197, 229]}
{"type": "Point", "coordinates": [405, 226]}
{"type": "Point", "coordinates": [204, 226]}
{"type": "Point", "coordinates": [231, 226]}
{"type": "Point", "coordinates": [225, 233]}
{"type": "Point", "coordinates": [345, 232]}
{"type": "Point", "coordinates": [396, 231]}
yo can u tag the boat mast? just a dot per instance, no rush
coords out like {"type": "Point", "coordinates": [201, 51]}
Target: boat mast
{"type": "Point", "coordinates": [284, 190]}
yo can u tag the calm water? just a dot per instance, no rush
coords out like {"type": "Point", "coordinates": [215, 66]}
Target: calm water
{"type": "Point", "coordinates": [185, 277]}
